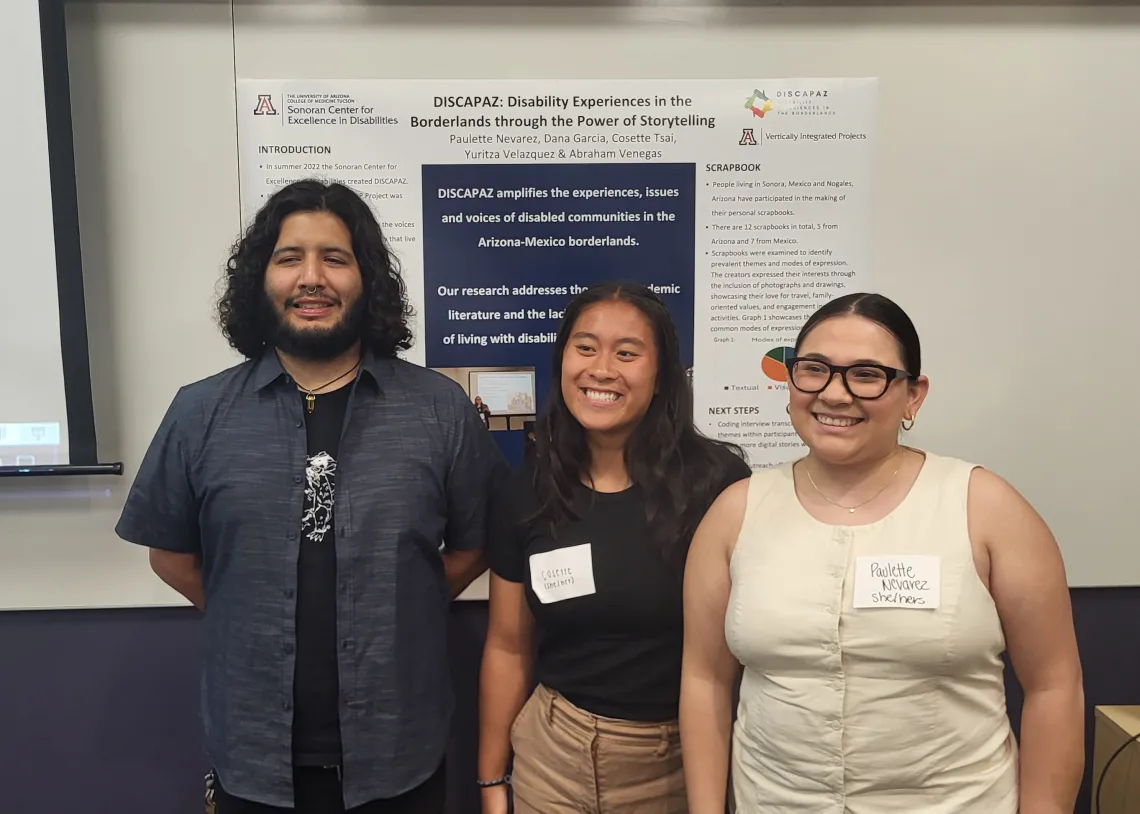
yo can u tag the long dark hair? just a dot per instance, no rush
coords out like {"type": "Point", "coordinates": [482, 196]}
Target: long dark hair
{"type": "Point", "coordinates": [678, 469]}
{"type": "Point", "coordinates": [242, 315]}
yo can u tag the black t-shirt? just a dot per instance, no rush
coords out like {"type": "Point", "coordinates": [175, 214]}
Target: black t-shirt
{"type": "Point", "coordinates": [316, 687]}
{"type": "Point", "coordinates": [609, 636]}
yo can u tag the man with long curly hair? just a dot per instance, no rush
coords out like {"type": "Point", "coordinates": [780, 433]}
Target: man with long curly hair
{"type": "Point", "coordinates": [321, 502]}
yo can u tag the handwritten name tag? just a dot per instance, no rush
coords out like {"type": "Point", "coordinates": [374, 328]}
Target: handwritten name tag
{"type": "Point", "coordinates": [565, 573]}
{"type": "Point", "coordinates": [910, 581]}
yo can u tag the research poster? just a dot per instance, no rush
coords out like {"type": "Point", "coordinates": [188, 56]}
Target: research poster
{"type": "Point", "coordinates": [744, 203]}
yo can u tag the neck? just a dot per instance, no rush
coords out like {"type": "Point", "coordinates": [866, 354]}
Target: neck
{"type": "Point", "coordinates": [607, 464]}
{"type": "Point", "coordinates": [313, 374]}
{"type": "Point", "coordinates": [844, 478]}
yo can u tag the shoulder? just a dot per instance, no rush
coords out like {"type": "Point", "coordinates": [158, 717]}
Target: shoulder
{"type": "Point", "coordinates": [217, 386]}
{"type": "Point", "coordinates": [1002, 520]}
{"type": "Point", "coordinates": [193, 403]}
{"type": "Point", "coordinates": [516, 489]}
{"type": "Point", "coordinates": [992, 499]}
{"type": "Point", "coordinates": [427, 400]}
{"type": "Point", "coordinates": [735, 463]}
{"type": "Point", "coordinates": [418, 381]}
{"type": "Point", "coordinates": [733, 501]}
{"type": "Point", "coordinates": [720, 527]}
{"type": "Point", "coordinates": [717, 465]}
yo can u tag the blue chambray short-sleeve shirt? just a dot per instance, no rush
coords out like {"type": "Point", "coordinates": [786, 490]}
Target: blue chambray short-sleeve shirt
{"type": "Point", "coordinates": [224, 478]}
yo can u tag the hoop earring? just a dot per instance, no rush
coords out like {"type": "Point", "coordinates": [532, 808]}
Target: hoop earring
{"type": "Point", "coordinates": [788, 409]}
{"type": "Point", "coordinates": [905, 427]}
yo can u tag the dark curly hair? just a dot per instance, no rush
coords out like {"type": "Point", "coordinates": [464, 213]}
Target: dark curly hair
{"type": "Point", "coordinates": [242, 315]}
{"type": "Point", "coordinates": [680, 470]}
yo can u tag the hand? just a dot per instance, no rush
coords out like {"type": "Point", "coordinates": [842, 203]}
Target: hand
{"type": "Point", "coordinates": [495, 800]}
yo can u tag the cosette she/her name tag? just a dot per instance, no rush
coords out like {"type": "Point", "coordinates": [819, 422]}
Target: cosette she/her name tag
{"type": "Point", "coordinates": [565, 573]}
{"type": "Point", "coordinates": [906, 581]}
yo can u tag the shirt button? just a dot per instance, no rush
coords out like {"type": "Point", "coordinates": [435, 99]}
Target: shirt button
{"type": "Point", "coordinates": [289, 649]}
{"type": "Point", "coordinates": [292, 535]}
{"type": "Point", "coordinates": [300, 424]}
{"type": "Point", "coordinates": [296, 479]}
{"type": "Point", "coordinates": [288, 593]}
{"type": "Point", "coordinates": [346, 645]}
{"type": "Point", "coordinates": [286, 705]}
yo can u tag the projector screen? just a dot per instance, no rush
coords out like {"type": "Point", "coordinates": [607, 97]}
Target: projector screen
{"type": "Point", "coordinates": [46, 418]}
{"type": "Point", "coordinates": [505, 392]}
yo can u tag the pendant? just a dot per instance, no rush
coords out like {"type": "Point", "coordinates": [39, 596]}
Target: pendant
{"type": "Point", "coordinates": [852, 509]}
{"type": "Point", "coordinates": [311, 403]}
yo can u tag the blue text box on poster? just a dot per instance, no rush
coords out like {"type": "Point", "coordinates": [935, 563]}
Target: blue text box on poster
{"type": "Point", "coordinates": [505, 245]}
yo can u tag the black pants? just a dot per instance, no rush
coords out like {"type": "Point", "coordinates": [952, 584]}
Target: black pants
{"type": "Point", "coordinates": [318, 791]}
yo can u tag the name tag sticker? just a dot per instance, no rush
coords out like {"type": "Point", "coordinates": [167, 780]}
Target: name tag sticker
{"type": "Point", "coordinates": [565, 573]}
{"type": "Point", "coordinates": [910, 581]}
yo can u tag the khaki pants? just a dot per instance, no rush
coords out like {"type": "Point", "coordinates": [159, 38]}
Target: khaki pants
{"type": "Point", "coordinates": [568, 761]}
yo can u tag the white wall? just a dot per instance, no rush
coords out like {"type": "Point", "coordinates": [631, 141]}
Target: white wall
{"type": "Point", "coordinates": [1007, 184]}
{"type": "Point", "coordinates": [158, 207]}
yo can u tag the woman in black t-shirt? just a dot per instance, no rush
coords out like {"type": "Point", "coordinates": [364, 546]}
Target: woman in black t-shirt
{"type": "Point", "coordinates": [587, 551]}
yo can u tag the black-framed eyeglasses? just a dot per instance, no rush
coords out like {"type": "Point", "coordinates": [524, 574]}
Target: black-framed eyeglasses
{"type": "Point", "coordinates": [863, 381]}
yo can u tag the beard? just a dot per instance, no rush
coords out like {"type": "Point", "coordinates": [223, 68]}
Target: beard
{"type": "Point", "coordinates": [314, 344]}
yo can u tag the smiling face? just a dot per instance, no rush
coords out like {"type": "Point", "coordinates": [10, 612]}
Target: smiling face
{"type": "Point", "coordinates": [313, 286]}
{"type": "Point", "coordinates": [835, 425]}
{"type": "Point", "coordinates": [609, 368]}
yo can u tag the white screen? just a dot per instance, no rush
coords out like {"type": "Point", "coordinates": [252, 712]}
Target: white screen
{"type": "Point", "coordinates": [33, 410]}
{"type": "Point", "coordinates": [508, 392]}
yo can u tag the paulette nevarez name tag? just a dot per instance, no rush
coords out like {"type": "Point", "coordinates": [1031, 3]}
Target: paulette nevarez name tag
{"type": "Point", "coordinates": [907, 581]}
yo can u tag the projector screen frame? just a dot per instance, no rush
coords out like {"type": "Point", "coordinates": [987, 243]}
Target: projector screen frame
{"type": "Point", "coordinates": [50, 470]}
{"type": "Point", "coordinates": [74, 350]}
{"type": "Point", "coordinates": [473, 378]}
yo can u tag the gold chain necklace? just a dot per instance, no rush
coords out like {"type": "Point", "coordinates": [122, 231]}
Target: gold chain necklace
{"type": "Point", "coordinates": [850, 509]}
{"type": "Point", "coordinates": [310, 397]}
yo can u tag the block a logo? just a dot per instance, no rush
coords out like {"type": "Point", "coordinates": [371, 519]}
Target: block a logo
{"type": "Point", "coordinates": [265, 105]}
{"type": "Point", "coordinates": [758, 103]}
{"type": "Point", "coordinates": [748, 137]}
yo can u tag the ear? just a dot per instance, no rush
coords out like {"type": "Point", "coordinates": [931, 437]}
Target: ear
{"type": "Point", "coordinates": [916, 395]}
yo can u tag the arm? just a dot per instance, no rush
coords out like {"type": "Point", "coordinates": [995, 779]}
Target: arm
{"type": "Point", "coordinates": [504, 683]}
{"type": "Point", "coordinates": [182, 572]}
{"type": "Point", "coordinates": [161, 510]}
{"type": "Point", "coordinates": [477, 469]}
{"type": "Point", "coordinates": [708, 670]}
{"type": "Point", "coordinates": [1030, 590]}
{"type": "Point", "coordinates": [462, 568]}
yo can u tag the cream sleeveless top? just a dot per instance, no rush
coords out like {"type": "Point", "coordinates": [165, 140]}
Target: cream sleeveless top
{"type": "Point", "coordinates": [867, 710]}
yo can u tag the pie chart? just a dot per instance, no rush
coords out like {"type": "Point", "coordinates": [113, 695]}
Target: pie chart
{"type": "Point", "coordinates": [773, 363]}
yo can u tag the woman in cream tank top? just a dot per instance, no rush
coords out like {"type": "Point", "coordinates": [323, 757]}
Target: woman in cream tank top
{"type": "Point", "coordinates": [864, 596]}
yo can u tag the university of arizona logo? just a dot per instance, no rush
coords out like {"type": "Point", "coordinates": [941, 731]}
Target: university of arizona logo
{"type": "Point", "coordinates": [265, 105]}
